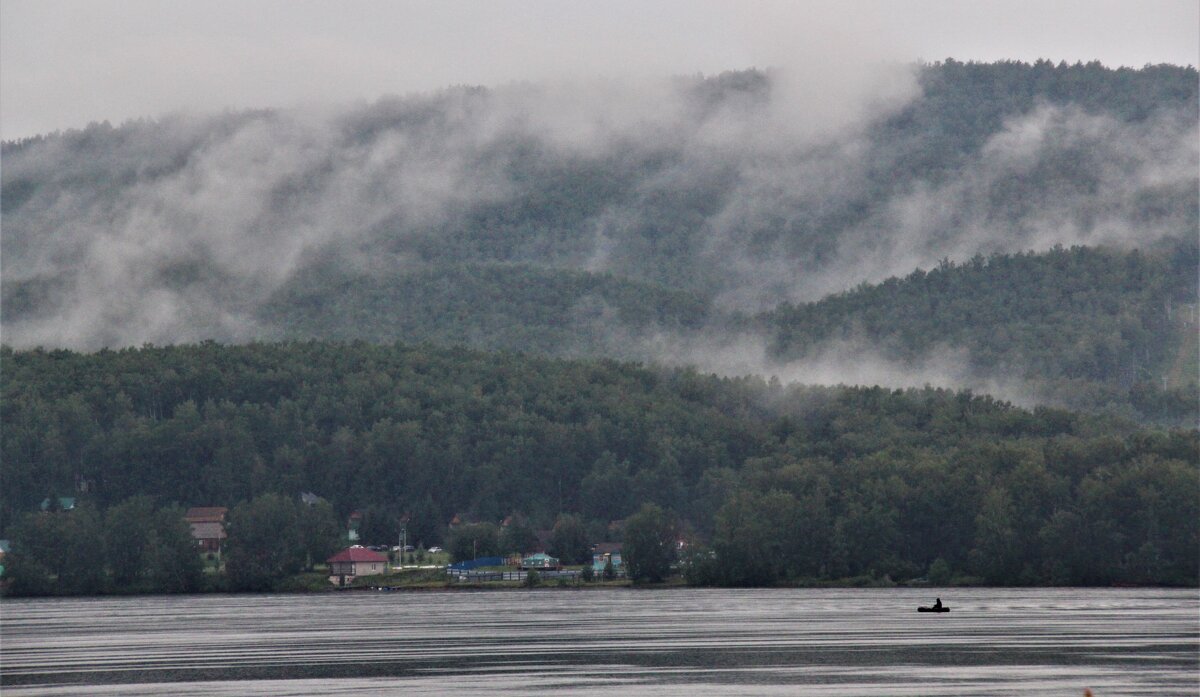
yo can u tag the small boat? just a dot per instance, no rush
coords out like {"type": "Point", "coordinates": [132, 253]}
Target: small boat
{"type": "Point", "coordinates": [943, 608]}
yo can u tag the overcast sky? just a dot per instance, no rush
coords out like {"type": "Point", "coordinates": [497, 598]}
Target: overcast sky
{"type": "Point", "coordinates": [64, 63]}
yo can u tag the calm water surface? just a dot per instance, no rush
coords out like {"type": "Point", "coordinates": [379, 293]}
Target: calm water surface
{"type": "Point", "coordinates": [664, 642]}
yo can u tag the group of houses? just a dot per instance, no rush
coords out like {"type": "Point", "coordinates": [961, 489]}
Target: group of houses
{"type": "Point", "coordinates": [356, 560]}
{"type": "Point", "coordinates": [208, 529]}
{"type": "Point", "coordinates": [207, 525]}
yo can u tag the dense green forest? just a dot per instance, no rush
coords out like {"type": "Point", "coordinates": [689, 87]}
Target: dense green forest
{"type": "Point", "coordinates": [1083, 328]}
{"type": "Point", "coordinates": [510, 307]}
{"type": "Point", "coordinates": [781, 482]}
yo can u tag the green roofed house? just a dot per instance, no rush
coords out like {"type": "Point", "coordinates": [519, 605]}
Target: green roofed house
{"type": "Point", "coordinates": [65, 503]}
{"type": "Point", "coordinates": [540, 560]}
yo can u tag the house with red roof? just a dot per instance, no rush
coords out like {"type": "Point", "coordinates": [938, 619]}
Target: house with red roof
{"type": "Point", "coordinates": [206, 514]}
{"type": "Point", "coordinates": [355, 561]}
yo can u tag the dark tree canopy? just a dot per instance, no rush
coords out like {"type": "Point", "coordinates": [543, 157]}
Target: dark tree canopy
{"type": "Point", "coordinates": [791, 482]}
{"type": "Point", "coordinates": [649, 544]}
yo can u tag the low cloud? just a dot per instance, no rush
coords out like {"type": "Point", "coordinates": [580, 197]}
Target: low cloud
{"type": "Point", "coordinates": [836, 362]}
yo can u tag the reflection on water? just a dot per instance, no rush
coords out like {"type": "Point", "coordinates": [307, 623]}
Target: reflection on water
{"type": "Point", "coordinates": [662, 642]}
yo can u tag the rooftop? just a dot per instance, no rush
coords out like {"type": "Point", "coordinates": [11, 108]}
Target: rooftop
{"type": "Point", "coordinates": [65, 503]}
{"type": "Point", "coordinates": [206, 514]}
{"type": "Point", "coordinates": [356, 554]}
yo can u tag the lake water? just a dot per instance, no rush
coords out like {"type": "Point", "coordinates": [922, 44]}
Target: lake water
{"type": "Point", "coordinates": [609, 642]}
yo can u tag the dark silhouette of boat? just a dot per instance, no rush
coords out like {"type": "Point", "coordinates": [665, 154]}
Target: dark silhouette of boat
{"type": "Point", "coordinates": [924, 608]}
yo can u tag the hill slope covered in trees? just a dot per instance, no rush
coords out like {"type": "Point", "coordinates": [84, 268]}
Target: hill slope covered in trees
{"type": "Point", "coordinates": [720, 187]}
{"type": "Point", "coordinates": [641, 223]}
{"type": "Point", "coordinates": [1080, 327]}
{"type": "Point", "coordinates": [843, 481]}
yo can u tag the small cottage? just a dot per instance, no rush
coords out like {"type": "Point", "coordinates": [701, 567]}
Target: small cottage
{"type": "Point", "coordinates": [208, 527]}
{"type": "Point", "coordinates": [605, 552]}
{"type": "Point", "coordinates": [60, 503]}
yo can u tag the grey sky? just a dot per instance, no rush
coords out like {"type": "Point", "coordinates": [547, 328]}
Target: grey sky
{"type": "Point", "coordinates": [64, 63]}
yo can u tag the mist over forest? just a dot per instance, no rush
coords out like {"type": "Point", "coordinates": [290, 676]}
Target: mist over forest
{"type": "Point", "coordinates": [671, 221]}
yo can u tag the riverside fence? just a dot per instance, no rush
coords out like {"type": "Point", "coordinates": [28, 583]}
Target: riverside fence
{"type": "Point", "coordinates": [474, 576]}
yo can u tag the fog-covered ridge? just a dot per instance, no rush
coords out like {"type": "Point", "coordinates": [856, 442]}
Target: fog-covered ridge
{"type": "Point", "coordinates": [743, 190]}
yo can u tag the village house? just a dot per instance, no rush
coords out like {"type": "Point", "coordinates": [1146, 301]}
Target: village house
{"type": "Point", "coordinates": [208, 527]}
{"type": "Point", "coordinates": [605, 552]}
{"type": "Point", "coordinates": [541, 560]}
{"type": "Point", "coordinates": [61, 503]}
{"type": "Point", "coordinates": [355, 561]}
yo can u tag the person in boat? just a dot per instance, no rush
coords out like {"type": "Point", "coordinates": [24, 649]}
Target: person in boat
{"type": "Point", "coordinates": [938, 605]}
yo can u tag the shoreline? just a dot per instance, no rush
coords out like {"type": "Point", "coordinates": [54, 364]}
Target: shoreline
{"type": "Point", "coordinates": [581, 587]}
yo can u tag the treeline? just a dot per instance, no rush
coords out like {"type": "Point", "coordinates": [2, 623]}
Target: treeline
{"type": "Point", "coordinates": [1064, 511]}
{"type": "Point", "coordinates": [782, 483]}
{"type": "Point", "coordinates": [135, 546]}
{"type": "Point", "coordinates": [431, 430]}
{"type": "Point", "coordinates": [570, 541]}
{"type": "Point", "coordinates": [1089, 328]}
{"type": "Point", "coordinates": [132, 547]}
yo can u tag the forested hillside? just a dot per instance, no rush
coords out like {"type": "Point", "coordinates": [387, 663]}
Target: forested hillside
{"type": "Point", "coordinates": [383, 220]}
{"type": "Point", "coordinates": [1079, 327]}
{"type": "Point", "coordinates": [1084, 328]}
{"type": "Point", "coordinates": [841, 481]}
